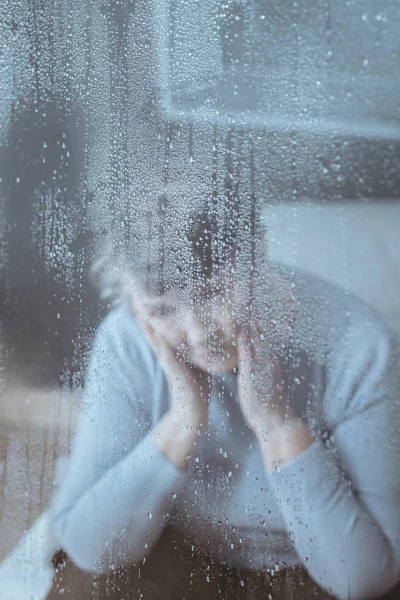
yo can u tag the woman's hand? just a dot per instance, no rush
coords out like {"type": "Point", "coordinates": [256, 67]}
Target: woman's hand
{"type": "Point", "coordinates": [178, 432]}
{"type": "Point", "coordinates": [189, 385]}
{"type": "Point", "coordinates": [260, 385]}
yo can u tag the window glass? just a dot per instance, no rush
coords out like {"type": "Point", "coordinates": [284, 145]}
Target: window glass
{"type": "Point", "coordinates": [199, 283]}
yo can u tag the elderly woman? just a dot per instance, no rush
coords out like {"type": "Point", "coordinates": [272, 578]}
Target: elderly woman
{"type": "Point", "coordinates": [252, 408]}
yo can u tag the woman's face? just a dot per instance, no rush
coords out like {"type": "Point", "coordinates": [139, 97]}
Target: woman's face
{"type": "Point", "coordinates": [203, 329]}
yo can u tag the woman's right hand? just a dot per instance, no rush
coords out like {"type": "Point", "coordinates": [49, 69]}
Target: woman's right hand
{"type": "Point", "coordinates": [178, 431]}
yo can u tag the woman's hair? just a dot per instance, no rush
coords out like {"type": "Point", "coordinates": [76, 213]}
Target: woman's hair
{"type": "Point", "coordinates": [166, 247]}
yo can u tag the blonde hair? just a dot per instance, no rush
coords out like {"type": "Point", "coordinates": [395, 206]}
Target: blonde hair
{"type": "Point", "coordinates": [163, 246]}
{"type": "Point", "coordinates": [166, 247]}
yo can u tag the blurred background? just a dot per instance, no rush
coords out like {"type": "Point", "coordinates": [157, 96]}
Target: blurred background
{"type": "Point", "coordinates": [297, 103]}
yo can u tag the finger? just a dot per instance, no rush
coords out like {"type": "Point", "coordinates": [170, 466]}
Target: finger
{"type": "Point", "coordinates": [245, 358]}
{"type": "Point", "coordinates": [149, 332]}
{"type": "Point", "coordinates": [162, 349]}
{"type": "Point", "coordinates": [165, 354]}
{"type": "Point", "coordinates": [255, 362]}
{"type": "Point", "coordinates": [245, 350]}
{"type": "Point", "coordinates": [247, 393]}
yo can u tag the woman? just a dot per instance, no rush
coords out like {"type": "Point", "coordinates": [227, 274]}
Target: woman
{"type": "Point", "coordinates": [252, 408]}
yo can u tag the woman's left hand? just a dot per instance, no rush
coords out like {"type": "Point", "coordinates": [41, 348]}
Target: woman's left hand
{"type": "Point", "coordinates": [261, 395]}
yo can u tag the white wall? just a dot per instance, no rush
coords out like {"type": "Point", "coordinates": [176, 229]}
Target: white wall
{"type": "Point", "coordinates": [356, 245]}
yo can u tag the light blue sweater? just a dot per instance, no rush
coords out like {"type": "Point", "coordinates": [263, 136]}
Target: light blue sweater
{"type": "Point", "coordinates": [335, 508]}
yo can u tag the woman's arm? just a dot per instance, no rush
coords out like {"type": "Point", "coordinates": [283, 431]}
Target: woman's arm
{"type": "Point", "coordinates": [341, 501]}
{"type": "Point", "coordinates": [120, 487]}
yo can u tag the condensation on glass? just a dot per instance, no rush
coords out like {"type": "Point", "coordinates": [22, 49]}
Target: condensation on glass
{"type": "Point", "coordinates": [199, 277]}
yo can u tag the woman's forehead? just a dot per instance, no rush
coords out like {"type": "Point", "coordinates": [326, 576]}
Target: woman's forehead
{"type": "Point", "coordinates": [187, 294]}
{"type": "Point", "coordinates": [173, 296]}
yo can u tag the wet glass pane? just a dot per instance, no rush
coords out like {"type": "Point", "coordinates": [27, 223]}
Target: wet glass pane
{"type": "Point", "coordinates": [199, 283]}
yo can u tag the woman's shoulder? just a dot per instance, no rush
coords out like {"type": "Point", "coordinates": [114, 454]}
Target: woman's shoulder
{"type": "Point", "coordinates": [121, 353]}
{"type": "Point", "coordinates": [118, 321]}
{"type": "Point", "coordinates": [330, 317]}
{"type": "Point", "coordinates": [119, 333]}
{"type": "Point", "coordinates": [350, 340]}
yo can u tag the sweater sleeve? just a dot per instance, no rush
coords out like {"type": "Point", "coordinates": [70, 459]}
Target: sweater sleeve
{"type": "Point", "coordinates": [119, 488]}
{"type": "Point", "coordinates": [341, 500]}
